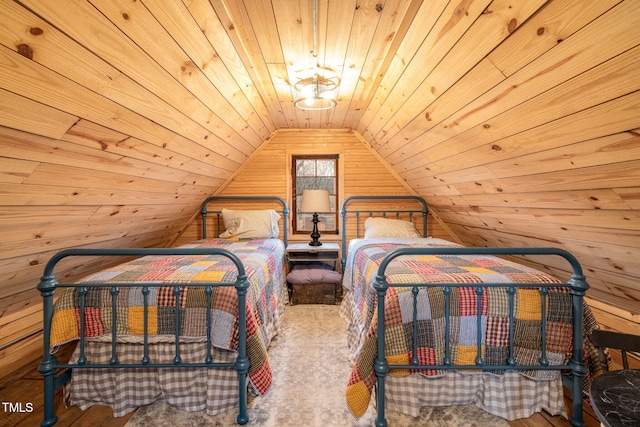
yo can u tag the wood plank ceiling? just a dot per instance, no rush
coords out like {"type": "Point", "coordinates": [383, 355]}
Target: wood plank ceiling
{"type": "Point", "coordinates": [517, 120]}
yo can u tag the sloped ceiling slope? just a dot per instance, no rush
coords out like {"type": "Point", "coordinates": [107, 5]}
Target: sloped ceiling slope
{"type": "Point", "coordinates": [517, 120]}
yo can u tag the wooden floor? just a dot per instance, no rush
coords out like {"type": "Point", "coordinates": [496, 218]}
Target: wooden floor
{"type": "Point", "coordinates": [24, 386]}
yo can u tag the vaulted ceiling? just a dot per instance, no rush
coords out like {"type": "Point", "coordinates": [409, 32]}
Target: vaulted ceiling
{"type": "Point", "coordinates": [219, 73]}
{"type": "Point", "coordinates": [223, 70]}
{"type": "Point", "coordinates": [517, 120]}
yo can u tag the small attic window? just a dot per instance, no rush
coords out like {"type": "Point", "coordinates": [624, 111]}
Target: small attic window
{"type": "Point", "coordinates": [314, 172]}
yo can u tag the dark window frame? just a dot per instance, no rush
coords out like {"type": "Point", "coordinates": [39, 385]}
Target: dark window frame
{"type": "Point", "coordinates": [295, 192]}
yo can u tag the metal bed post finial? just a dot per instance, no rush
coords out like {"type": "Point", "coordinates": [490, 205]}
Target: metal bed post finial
{"type": "Point", "coordinates": [343, 214]}
{"type": "Point", "coordinates": [47, 367]}
{"type": "Point", "coordinates": [203, 215]}
{"type": "Point", "coordinates": [579, 368]}
{"type": "Point", "coordinates": [242, 362]}
{"type": "Point", "coordinates": [381, 366]}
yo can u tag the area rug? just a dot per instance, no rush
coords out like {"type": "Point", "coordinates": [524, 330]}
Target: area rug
{"type": "Point", "coordinates": [310, 372]}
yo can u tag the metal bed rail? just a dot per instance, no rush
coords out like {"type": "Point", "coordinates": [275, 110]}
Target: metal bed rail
{"type": "Point", "coordinates": [204, 211]}
{"type": "Point", "coordinates": [576, 283]}
{"type": "Point", "coordinates": [48, 286]}
{"type": "Point", "coordinates": [345, 210]}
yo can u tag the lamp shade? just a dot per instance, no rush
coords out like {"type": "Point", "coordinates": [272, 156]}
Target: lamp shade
{"type": "Point", "coordinates": [314, 201]}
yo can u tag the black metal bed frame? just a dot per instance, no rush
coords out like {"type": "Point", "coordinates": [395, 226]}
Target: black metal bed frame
{"type": "Point", "coordinates": [204, 211]}
{"type": "Point", "coordinates": [423, 211]}
{"type": "Point", "coordinates": [577, 285]}
{"type": "Point", "coordinates": [48, 285]}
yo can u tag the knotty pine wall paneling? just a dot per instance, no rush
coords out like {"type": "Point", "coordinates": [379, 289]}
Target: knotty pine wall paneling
{"type": "Point", "coordinates": [90, 187]}
{"type": "Point", "coordinates": [518, 121]}
{"type": "Point", "coordinates": [361, 173]}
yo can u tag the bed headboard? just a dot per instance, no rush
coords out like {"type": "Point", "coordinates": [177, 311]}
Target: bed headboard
{"type": "Point", "coordinates": [266, 201]}
{"type": "Point", "coordinates": [384, 206]}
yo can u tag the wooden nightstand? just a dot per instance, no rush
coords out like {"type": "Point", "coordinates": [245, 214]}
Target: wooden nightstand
{"type": "Point", "coordinates": [302, 252]}
{"type": "Point", "coordinates": [310, 281]}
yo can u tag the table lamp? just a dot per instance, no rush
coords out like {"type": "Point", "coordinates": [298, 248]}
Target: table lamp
{"type": "Point", "coordinates": [315, 201]}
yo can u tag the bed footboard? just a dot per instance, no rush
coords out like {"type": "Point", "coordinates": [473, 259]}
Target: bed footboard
{"type": "Point", "coordinates": [577, 286]}
{"type": "Point", "coordinates": [48, 285]}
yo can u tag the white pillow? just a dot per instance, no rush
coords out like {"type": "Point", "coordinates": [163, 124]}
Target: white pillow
{"type": "Point", "coordinates": [244, 224]}
{"type": "Point", "coordinates": [385, 227]}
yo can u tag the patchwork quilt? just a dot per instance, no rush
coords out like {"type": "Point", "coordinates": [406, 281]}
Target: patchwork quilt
{"type": "Point", "coordinates": [263, 263]}
{"type": "Point", "coordinates": [362, 264]}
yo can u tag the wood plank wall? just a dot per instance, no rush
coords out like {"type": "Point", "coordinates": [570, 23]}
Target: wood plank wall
{"type": "Point", "coordinates": [361, 173]}
{"type": "Point", "coordinates": [93, 188]}
{"type": "Point", "coordinates": [558, 168]}
{"type": "Point", "coordinates": [90, 187]}
{"type": "Point", "coordinates": [518, 121]}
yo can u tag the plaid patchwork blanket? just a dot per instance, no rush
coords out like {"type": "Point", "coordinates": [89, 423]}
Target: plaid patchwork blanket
{"type": "Point", "coordinates": [362, 264]}
{"type": "Point", "coordinates": [263, 263]}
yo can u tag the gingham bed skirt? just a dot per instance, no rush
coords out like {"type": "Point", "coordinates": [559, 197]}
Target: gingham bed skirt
{"type": "Point", "coordinates": [214, 390]}
{"type": "Point", "coordinates": [510, 396]}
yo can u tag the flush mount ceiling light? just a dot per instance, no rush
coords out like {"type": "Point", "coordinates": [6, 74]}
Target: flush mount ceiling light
{"type": "Point", "coordinates": [318, 91]}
